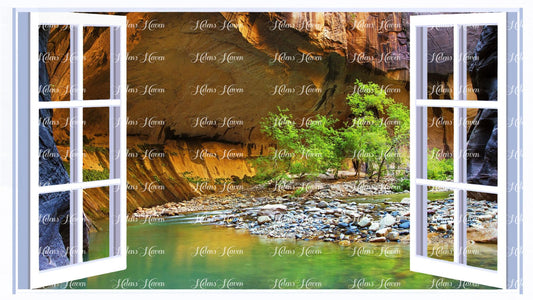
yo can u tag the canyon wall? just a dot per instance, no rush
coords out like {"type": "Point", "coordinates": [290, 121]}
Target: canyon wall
{"type": "Point", "coordinates": [200, 83]}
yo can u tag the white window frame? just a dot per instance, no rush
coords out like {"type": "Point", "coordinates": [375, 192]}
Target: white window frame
{"type": "Point", "coordinates": [32, 277]}
{"type": "Point", "coordinates": [419, 261]}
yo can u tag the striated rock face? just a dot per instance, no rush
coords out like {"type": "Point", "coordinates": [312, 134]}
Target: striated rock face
{"type": "Point", "coordinates": [203, 81]}
{"type": "Point", "coordinates": [268, 49]}
{"type": "Point", "coordinates": [483, 135]}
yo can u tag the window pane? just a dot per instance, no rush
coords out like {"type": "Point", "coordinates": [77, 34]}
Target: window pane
{"type": "Point", "coordinates": [95, 143]}
{"type": "Point", "coordinates": [482, 231]}
{"type": "Point", "coordinates": [54, 146]}
{"type": "Point", "coordinates": [54, 230]}
{"type": "Point", "coordinates": [440, 62]}
{"type": "Point", "coordinates": [96, 63]}
{"type": "Point", "coordinates": [482, 146]}
{"type": "Point", "coordinates": [482, 63]}
{"type": "Point", "coordinates": [440, 223]}
{"type": "Point", "coordinates": [440, 143]}
{"type": "Point", "coordinates": [54, 63]}
{"type": "Point", "coordinates": [96, 210]}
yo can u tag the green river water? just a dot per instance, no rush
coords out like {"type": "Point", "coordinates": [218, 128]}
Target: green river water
{"type": "Point", "coordinates": [180, 253]}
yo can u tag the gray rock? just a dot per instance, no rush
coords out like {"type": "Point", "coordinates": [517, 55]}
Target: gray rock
{"type": "Point", "coordinates": [383, 232]}
{"type": "Point", "coordinates": [374, 226]}
{"type": "Point", "coordinates": [387, 220]}
{"type": "Point", "coordinates": [406, 200]}
{"type": "Point", "coordinates": [483, 134]}
{"type": "Point", "coordinates": [364, 222]}
{"type": "Point", "coordinates": [322, 204]}
{"type": "Point", "coordinates": [263, 219]}
{"type": "Point", "coordinates": [393, 236]}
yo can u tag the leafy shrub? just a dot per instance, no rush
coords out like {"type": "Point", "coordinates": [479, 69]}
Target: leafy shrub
{"type": "Point", "coordinates": [402, 185]}
{"type": "Point", "coordinates": [92, 175]}
{"type": "Point", "coordinates": [193, 179]}
{"type": "Point", "coordinates": [299, 191]}
{"type": "Point", "coordinates": [439, 169]}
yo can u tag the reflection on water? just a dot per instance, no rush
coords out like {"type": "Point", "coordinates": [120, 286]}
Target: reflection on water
{"type": "Point", "coordinates": [181, 254]}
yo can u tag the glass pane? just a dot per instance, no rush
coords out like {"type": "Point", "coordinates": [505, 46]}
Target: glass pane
{"type": "Point", "coordinates": [54, 63]}
{"type": "Point", "coordinates": [95, 143]}
{"type": "Point", "coordinates": [482, 63]}
{"type": "Point", "coordinates": [54, 230]}
{"type": "Point", "coordinates": [440, 143]}
{"type": "Point", "coordinates": [96, 63]}
{"type": "Point", "coordinates": [440, 223]}
{"type": "Point", "coordinates": [54, 146]}
{"type": "Point", "coordinates": [440, 62]}
{"type": "Point", "coordinates": [482, 231]}
{"type": "Point", "coordinates": [96, 211]}
{"type": "Point", "coordinates": [482, 146]}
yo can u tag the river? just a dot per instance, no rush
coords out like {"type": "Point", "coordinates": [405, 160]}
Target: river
{"type": "Point", "coordinates": [180, 253]}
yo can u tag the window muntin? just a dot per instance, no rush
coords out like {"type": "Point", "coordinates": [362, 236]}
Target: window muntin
{"type": "Point", "coordinates": [459, 264]}
{"type": "Point", "coordinates": [72, 191]}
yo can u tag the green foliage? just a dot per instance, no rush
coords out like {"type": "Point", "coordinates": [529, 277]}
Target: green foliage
{"type": "Point", "coordinates": [95, 149]}
{"type": "Point", "coordinates": [156, 178]}
{"type": "Point", "coordinates": [439, 169]}
{"type": "Point", "coordinates": [372, 137]}
{"type": "Point", "coordinates": [302, 151]}
{"type": "Point", "coordinates": [92, 175]}
{"type": "Point", "coordinates": [220, 180]}
{"type": "Point", "coordinates": [321, 146]}
{"type": "Point", "coordinates": [299, 192]}
{"type": "Point", "coordinates": [193, 179]}
{"type": "Point", "coordinates": [268, 169]}
{"type": "Point", "coordinates": [402, 185]}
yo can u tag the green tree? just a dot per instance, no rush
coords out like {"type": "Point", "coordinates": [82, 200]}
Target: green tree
{"type": "Point", "coordinates": [379, 129]}
{"type": "Point", "coordinates": [303, 151]}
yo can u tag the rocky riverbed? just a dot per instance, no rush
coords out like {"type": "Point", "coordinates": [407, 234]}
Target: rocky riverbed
{"type": "Point", "coordinates": [332, 212]}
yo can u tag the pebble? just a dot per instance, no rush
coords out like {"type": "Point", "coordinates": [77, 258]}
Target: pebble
{"type": "Point", "coordinates": [405, 225]}
{"type": "Point", "coordinates": [383, 232]}
{"type": "Point", "coordinates": [374, 226]}
{"type": "Point", "coordinates": [393, 236]}
{"type": "Point", "coordinates": [364, 222]}
{"type": "Point", "coordinates": [388, 220]}
{"type": "Point", "coordinates": [263, 219]}
{"type": "Point", "coordinates": [342, 219]}
{"type": "Point", "coordinates": [322, 204]}
{"type": "Point", "coordinates": [378, 240]}
{"type": "Point", "coordinates": [442, 228]}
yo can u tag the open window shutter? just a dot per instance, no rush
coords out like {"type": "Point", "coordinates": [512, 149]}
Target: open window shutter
{"type": "Point", "coordinates": [459, 264]}
{"type": "Point", "coordinates": [55, 258]}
